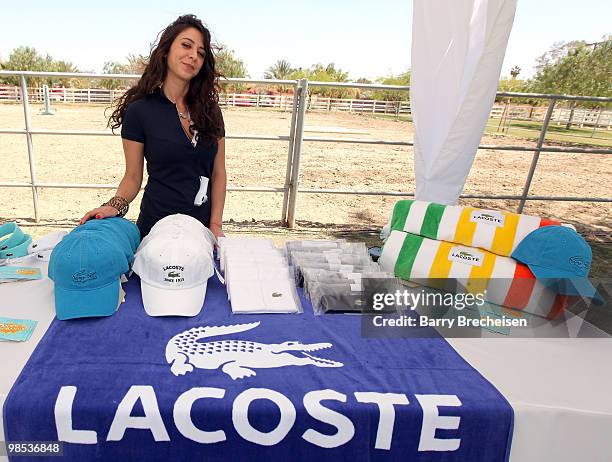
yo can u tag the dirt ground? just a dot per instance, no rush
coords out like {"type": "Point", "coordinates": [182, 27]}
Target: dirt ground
{"type": "Point", "coordinates": [99, 159]}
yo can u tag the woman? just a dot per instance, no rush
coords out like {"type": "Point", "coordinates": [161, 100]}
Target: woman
{"type": "Point", "coordinates": [171, 118]}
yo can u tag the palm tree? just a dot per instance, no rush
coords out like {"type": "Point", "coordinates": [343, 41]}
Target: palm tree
{"type": "Point", "coordinates": [337, 75]}
{"type": "Point", "coordinates": [281, 70]}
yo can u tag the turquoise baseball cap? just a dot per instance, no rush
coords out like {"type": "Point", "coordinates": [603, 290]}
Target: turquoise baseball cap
{"type": "Point", "coordinates": [13, 241]}
{"type": "Point", "coordinates": [86, 268]}
{"type": "Point", "coordinates": [123, 231]}
{"type": "Point", "coordinates": [560, 258]}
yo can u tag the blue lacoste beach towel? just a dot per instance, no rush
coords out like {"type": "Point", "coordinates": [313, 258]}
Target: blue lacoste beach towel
{"type": "Point", "coordinates": [246, 387]}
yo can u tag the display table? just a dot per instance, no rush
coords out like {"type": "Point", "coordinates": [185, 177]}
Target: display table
{"type": "Point", "coordinates": [23, 300]}
{"type": "Point", "coordinates": [558, 388]}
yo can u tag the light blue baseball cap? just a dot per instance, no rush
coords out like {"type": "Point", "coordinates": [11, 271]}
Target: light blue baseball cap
{"type": "Point", "coordinates": [560, 258]}
{"type": "Point", "coordinates": [86, 268]}
{"type": "Point", "coordinates": [13, 241]}
{"type": "Point", "coordinates": [124, 231]}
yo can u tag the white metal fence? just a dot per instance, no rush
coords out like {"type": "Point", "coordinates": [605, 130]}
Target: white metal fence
{"type": "Point", "coordinates": [598, 118]}
{"type": "Point", "coordinates": [299, 103]}
{"type": "Point", "coordinates": [283, 102]}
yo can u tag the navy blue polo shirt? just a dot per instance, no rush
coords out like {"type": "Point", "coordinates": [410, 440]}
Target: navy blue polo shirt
{"type": "Point", "coordinates": [174, 165]}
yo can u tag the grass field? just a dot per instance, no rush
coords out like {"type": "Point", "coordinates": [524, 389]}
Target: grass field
{"type": "Point", "coordinates": [555, 133]}
{"type": "Point", "coordinates": [526, 130]}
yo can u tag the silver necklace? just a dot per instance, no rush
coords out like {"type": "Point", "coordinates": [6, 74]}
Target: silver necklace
{"type": "Point", "coordinates": [181, 115]}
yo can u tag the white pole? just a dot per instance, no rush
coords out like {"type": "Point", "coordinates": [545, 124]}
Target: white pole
{"type": "Point", "coordinates": [26, 116]}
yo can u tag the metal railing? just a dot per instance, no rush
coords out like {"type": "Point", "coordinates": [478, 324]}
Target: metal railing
{"type": "Point", "coordinates": [283, 102]}
{"type": "Point", "coordinates": [296, 139]}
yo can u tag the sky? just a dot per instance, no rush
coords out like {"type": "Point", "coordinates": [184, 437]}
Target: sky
{"type": "Point", "coordinates": [364, 38]}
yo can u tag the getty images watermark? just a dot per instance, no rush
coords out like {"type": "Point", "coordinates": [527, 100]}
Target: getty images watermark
{"type": "Point", "coordinates": [479, 308]}
{"type": "Point", "coordinates": [409, 300]}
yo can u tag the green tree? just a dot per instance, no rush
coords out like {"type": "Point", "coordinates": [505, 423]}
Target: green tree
{"type": "Point", "coordinates": [28, 59]}
{"type": "Point", "coordinates": [59, 66]}
{"type": "Point", "coordinates": [280, 70]}
{"type": "Point", "coordinates": [576, 68]}
{"type": "Point", "coordinates": [24, 59]}
{"type": "Point", "coordinates": [329, 73]}
{"type": "Point", "coordinates": [230, 66]}
{"type": "Point", "coordinates": [298, 74]}
{"type": "Point", "coordinates": [515, 85]}
{"type": "Point", "coordinates": [113, 67]}
{"type": "Point", "coordinates": [402, 79]}
{"type": "Point", "coordinates": [600, 68]}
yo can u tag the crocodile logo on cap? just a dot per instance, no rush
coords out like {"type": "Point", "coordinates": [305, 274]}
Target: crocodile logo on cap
{"type": "Point", "coordinates": [84, 276]}
{"type": "Point", "coordinates": [578, 261]}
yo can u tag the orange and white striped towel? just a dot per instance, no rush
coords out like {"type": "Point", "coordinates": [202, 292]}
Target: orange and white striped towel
{"type": "Point", "coordinates": [432, 263]}
{"type": "Point", "coordinates": [497, 231]}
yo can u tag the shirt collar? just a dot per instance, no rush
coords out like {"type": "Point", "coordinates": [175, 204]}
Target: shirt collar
{"type": "Point", "coordinates": [158, 93]}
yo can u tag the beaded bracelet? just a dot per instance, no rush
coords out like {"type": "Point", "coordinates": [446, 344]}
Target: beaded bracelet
{"type": "Point", "coordinates": [119, 203]}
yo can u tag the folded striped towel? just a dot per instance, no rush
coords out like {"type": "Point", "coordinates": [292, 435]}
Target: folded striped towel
{"type": "Point", "coordinates": [496, 231]}
{"type": "Point", "coordinates": [507, 282]}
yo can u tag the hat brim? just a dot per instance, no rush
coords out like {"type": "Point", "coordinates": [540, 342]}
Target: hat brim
{"type": "Point", "coordinates": [172, 302]}
{"type": "Point", "coordinates": [566, 283]}
{"type": "Point", "coordinates": [552, 274]}
{"type": "Point", "coordinates": [78, 303]}
{"type": "Point", "coordinates": [581, 287]}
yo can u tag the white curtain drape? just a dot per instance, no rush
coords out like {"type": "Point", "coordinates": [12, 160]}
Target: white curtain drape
{"type": "Point", "coordinates": [458, 47]}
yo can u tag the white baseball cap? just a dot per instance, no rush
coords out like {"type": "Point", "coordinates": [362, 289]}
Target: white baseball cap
{"type": "Point", "coordinates": [185, 222]}
{"type": "Point", "coordinates": [174, 266]}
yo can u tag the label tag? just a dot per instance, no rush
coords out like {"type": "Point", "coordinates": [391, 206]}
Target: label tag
{"type": "Point", "coordinates": [201, 197]}
{"type": "Point", "coordinates": [466, 255]}
{"type": "Point", "coordinates": [488, 217]}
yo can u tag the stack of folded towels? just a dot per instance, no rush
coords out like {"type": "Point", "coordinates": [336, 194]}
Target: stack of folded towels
{"type": "Point", "coordinates": [518, 259]}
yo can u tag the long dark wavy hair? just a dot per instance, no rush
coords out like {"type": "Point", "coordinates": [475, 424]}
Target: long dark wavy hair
{"type": "Point", "coordinates": [202, 97]}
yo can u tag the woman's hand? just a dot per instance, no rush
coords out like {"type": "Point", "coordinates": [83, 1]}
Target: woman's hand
{"type": "Point", "coordinates": [105, 211]}
{"type": "Point", "coordinates": [217, 230]}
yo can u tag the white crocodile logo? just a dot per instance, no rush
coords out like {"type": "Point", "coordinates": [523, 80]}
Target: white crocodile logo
{"type": "Point", "coordinates": [237, 358]}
